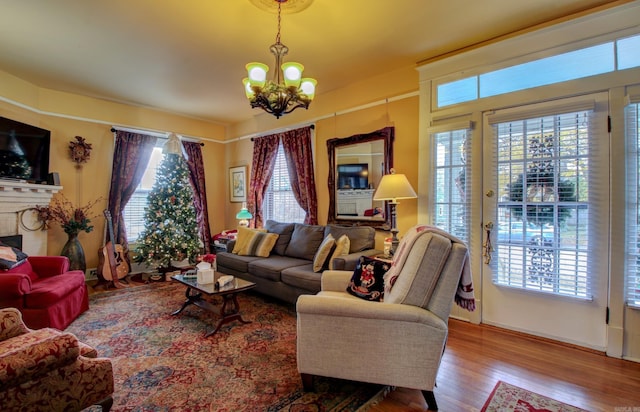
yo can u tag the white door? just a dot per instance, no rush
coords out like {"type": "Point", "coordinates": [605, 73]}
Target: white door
{"type": "Point", "coordinates": [545, 219]}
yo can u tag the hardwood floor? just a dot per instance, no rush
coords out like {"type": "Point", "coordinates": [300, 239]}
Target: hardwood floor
{"type": "Point", "coordinates": [478, 356]}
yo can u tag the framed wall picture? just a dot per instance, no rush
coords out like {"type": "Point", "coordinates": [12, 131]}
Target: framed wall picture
{"type": "Point", "coordinates": [238, 184]}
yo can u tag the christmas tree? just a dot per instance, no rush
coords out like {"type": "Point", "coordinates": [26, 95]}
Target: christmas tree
{"type": "Point", "coordinates": [171, 230]}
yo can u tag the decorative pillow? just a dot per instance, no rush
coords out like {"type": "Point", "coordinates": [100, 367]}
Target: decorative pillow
{"type": "Point", "coordinates": [323, 253]}
{"type": "Point", "coordinates": [11, 257]}
{"type": "Point", "coordinates": [258, 243]}
{"type": "Point", "coordinates": [244, 235]}
{"type": "Point", "coordinates": [284, 231]}
{"type": "Point", "coordinates": [362, 237]}
{"type": "Point", "coordinates": [305, 241]}
{"type": "Point", "coordinates": [342, 248]}
{"type": "Point", "coordinates": [367, 281]}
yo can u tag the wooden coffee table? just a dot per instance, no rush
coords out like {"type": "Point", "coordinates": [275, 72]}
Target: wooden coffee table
{"type": "Point", "coordinates": [230, 309]}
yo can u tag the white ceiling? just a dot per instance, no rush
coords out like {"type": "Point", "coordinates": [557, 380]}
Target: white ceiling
{"type": "Point", "coordinates": [188, 56]}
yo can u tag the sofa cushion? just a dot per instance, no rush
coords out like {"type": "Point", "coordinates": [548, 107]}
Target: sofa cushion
{"type": "Point", "coordinates": [305, 241]}
{"type": "Point", "coordinates": [284, 232]}
{"type": "Point", "coordinates": [421, 270]}
{"type": "Point", "coordinates": [367, 281]}
{"type": "Point", "coordinates": [11, 257]}
{"type": "Point", "coordinates": [302, 277]}
{"type": "Point", "coordinates": [321, 257]}
{"type": "Point", "coordinates": [271, 267]}
{"type": "Point", "coordinates": [238, 263]}
{"type": "Point", "coordinates": [48, 291]}
{"type": "Point", "coordinates": [361, 237]}
{"type": "Point", "coordinates": [342, 248]}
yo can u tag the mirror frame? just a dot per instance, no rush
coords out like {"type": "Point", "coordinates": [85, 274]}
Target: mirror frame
{"type": "Point", "coordinates": [386, 134]}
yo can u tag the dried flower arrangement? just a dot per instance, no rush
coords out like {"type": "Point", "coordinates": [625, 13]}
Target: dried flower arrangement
{"type": "Point", "coordinates": [71, 218]}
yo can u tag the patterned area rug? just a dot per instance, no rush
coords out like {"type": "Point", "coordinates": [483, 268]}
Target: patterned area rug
{"type": "Point", "coordinates": [506, 397]}
{"type": "Point", "coordinates": [164, 363]}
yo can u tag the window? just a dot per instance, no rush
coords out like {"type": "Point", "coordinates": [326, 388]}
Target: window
{"type": "Point", "coordinates": [451, 204]}
{"type": "Point", "coordinates": [279, 203]}
{"type": "Point", "coordinates": [577, 64]}
{"type": "Point", "coordinates": [632, 117]}
{"type": "Point", "coordinates": [543, 216]}
{"type": "Point", "coordinates": [134, 210]}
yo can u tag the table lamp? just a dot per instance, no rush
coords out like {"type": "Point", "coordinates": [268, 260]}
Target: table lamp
{"type": "Point", "coordinates": [244, 215]}
{"type": "Point", "coordinates": [393, 187]}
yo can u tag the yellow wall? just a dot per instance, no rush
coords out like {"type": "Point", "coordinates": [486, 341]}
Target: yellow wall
{"type": "Point", "coordinates": [67, 116]}
{"type": "Point", "coordinates": [402, 114]}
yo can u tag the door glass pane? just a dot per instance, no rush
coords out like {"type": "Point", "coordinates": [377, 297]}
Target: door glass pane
{"type": "Point", "coordinates": [543, 204]}
{"type": "Point", "coordinates": [451, 209]}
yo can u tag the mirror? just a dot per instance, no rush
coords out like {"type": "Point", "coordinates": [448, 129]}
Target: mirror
{"type": "Point", "coordinates": [356, 165]}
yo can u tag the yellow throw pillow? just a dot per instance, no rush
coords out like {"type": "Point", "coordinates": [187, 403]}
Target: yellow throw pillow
{"type": "Point", "coordinates": [244, 235]}
{"type": "Point", "coordinates": [259, 243]}
{"type": "Point", "coordinates": [323, 252]}
{"type": "Point", "coordinates": [343, 244]}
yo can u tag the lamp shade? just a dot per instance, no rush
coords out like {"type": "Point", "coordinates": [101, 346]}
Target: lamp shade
{"type": "Point", "coordinates": [257, 73]}
{"type": "Point", "coordinates": [292, 74]}
{"type": "Point", "coordinates": [244, 214]}
{"type": "Point", "coordinates": [308, 87]}
{"type": "Point", "coordinates": [393, 187]}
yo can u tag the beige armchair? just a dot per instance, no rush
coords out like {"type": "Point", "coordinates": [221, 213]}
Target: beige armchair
{"type": "Point", "coordinates": [398, 342]}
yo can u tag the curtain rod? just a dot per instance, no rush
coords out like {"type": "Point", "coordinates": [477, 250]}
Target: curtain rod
{"type": "Point", "coordinates": [157, 134]}
{"type": "Point", "coordinates": [313, 126]}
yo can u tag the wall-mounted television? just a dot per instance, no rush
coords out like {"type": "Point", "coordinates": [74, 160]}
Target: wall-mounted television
{"type": "Point", "coordinates": [353, 176]}
{"type": "Point", "coordinates": [24, 151]}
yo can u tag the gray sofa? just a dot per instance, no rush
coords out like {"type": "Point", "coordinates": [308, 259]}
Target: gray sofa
{"type": "Point", "coordinates": [288, 271]}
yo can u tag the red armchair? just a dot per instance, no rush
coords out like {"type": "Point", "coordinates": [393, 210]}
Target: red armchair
{"type": "Point", "coordinates": [44, 290]}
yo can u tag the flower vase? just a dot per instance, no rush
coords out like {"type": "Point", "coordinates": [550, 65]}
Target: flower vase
{"type": "Point", "coordinates": [73, 250]}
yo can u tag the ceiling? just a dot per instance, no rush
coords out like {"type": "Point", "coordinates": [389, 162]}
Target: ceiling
{"type": "Point", "coordinates": [188, 56]}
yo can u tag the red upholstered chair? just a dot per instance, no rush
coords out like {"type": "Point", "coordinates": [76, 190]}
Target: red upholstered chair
{"type": "Point", "coordinates": [45, 291]}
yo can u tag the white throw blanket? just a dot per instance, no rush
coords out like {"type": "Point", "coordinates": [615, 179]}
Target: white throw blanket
{"type": "Point", "coordinates": [464, 294]}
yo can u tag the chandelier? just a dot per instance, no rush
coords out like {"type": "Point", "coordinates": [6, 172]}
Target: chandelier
{"type": "Point", "coordinates": [275, 96]}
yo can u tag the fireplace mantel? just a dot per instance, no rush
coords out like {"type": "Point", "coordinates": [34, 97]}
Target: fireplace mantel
{"type": "Point", "coordinates": [17, 217]}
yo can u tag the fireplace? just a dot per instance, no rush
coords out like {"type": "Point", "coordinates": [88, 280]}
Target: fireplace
{"type": "Point", "coordinates": [13, 241]}
{"type": "Point", "coordinates": [17, 214]}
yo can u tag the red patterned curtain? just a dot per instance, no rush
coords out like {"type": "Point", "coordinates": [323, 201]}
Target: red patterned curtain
{"type": "Point", "coordinates": [265, 150]}
{"type": "Point", "coordinates": [196, 178]}
{"type": "Point", "coordinates": [130, 158]}
{"type": "Point", "coordinates": [297, 149]}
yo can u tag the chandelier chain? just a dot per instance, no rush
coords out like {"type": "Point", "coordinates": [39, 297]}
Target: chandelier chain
{"type": "Point", "coordinates": [278, 35]}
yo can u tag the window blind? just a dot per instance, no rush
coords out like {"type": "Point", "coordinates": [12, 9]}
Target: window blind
{"type": "Point", "coordinates": [452, 170]}
{"type": "Point", "coordinates": [279, 203]}
{"type": "Point", "coordinates": [632, 123]}
{"type": "Point", "coordinates": [543, 172]}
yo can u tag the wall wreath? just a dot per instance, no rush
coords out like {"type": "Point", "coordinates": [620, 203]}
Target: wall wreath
{"type": "Point", "coordinates": [80, 150]}
{"type": "Point", "coordinates": [542, 189]}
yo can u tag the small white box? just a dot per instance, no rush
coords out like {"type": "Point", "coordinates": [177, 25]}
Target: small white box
{"type": "Point", "coordinates": [205, 276]}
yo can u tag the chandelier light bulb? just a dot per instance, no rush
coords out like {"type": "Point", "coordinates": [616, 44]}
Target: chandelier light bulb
{"type": "Point", "coordinates": [308, 87]}
{"type": "Point", "coordinates": [292, 74]}
{"type": "Point", "coordinates": [257, 74]}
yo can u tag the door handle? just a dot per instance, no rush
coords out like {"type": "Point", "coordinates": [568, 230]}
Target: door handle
{"type": "Point", "coordinates": [487, 246]}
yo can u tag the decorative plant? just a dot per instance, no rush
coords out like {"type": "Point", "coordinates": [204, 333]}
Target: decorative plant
{"type": "Point", "coordinates": [72, 219]}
